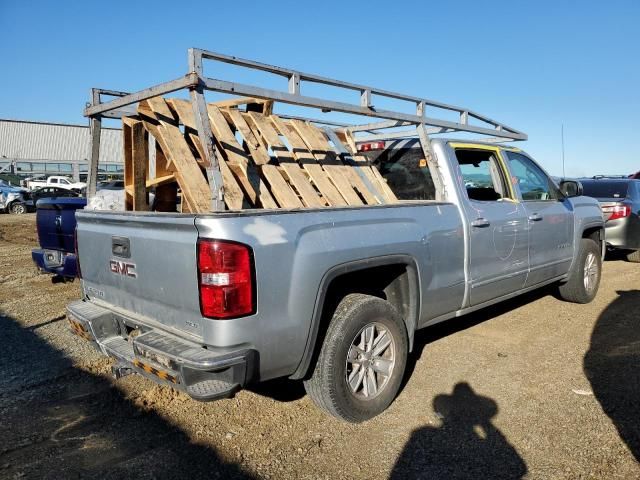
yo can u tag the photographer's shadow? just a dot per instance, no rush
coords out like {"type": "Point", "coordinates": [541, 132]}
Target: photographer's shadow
{"type": "Point", "coordinates": [612, 366]}
{"type": "Point", "coordinates": [466, 445]}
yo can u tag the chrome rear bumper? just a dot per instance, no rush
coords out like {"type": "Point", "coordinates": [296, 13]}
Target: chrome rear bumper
{"type": "Point", "coordinates": [203, 373]}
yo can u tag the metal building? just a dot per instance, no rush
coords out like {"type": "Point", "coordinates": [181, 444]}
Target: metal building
{"type": "Point", "coordinates": [29, 149]}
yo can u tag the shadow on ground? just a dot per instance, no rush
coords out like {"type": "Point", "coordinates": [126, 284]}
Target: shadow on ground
{"type": "Point", "coordinates": [612, 365]}
{"type": "Point", "coordinates": [61, 422]}
{"type": "Point", "coordinates": [434, 333]}
{"type": "Point", "coordinates": [467, 444]}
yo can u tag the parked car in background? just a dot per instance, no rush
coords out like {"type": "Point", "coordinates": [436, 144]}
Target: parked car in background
{"type": "Point", "coordinates": [13, 199]}
{"type": "Point", "coordinates": [56, 225]}
{"type": "Point", "coordinates": [56, 181]}
{"type": "Point", "coordinates": [48, 192]}
{"type": "Point", "coordinates": [111, 185]}
{"type": "Point", "coordinates": [620, 202]}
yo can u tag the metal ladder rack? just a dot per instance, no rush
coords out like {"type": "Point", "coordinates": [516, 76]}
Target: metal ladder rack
{"type": "Point", "coordinates": [197, 83]}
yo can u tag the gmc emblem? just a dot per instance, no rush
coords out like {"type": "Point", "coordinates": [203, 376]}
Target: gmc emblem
{"type": "Point", "coordinates": [123, 268]}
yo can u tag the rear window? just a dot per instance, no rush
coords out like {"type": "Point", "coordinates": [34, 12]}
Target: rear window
{"type": "Point", "coordinates": [405, 171]}
{"type": "Point", "coordinates": [603, 189]}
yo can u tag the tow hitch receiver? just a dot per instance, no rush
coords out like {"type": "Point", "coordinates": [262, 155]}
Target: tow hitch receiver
{"type": "Point", "coordinates": [118, 371]}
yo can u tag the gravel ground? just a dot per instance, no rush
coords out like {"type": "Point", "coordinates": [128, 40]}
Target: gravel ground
{"type": "Point", "coordinates": [534, 388]}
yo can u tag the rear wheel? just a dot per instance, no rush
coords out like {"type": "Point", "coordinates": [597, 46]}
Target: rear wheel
{"type": "Point", "coordinates": [584, 278]}
{"type": "Point", "coordinates": [634, 256]}
{"type": "Point", "coordinates": [362, 359]}
{"type": "Point", "coordinates": [17, 208]}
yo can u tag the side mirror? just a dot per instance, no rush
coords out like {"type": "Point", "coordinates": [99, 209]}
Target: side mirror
{"type": "Point", "coordinates": [571, 188]}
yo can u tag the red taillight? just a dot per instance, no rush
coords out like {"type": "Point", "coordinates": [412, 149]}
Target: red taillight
{"type": "Point", "coordinates": [75, 248]}
{"type": "Point", "coordinates": [367, 147]}
{"type": "Point", "coordinates": [616, 211]}
{"type": "Point", "coordinates": [226, 279]}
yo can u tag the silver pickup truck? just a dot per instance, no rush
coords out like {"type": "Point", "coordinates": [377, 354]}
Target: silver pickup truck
{"type": "Point", "coordinates": [209, 303]}
{"type": "Point", "coordinates": [331, 296]}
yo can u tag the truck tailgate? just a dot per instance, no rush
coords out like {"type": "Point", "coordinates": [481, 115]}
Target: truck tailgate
{"type": "Point", "coordinates": [56, 223]}
{"type": "Point", "coordinates": [143, 265]}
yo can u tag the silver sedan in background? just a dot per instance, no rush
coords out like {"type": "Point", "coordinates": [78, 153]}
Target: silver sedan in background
{"type": "Point", "coordinates": [620, 202]}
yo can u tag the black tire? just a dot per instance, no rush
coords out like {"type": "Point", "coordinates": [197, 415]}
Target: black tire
{"type": "Point", "coordinates": [328, 385]}
{"type": "Point", "coordinates": [634, 256]}
{"type": "Point", "coordinates": [17, 208]}
{"type": "Point", "coordinates": [575, 289]}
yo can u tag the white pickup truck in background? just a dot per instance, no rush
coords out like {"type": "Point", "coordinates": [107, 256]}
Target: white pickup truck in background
{"type": "Point", "coordinates": [56, 181]}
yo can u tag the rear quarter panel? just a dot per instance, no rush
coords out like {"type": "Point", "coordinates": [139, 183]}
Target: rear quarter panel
{"type": "Point", "coordinates": [587, 215]}
{"type": "Point", "coordinates": [295, 251]}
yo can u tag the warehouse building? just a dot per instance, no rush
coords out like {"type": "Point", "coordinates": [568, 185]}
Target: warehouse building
{"type": "Point", "coordinates": [39, 149]}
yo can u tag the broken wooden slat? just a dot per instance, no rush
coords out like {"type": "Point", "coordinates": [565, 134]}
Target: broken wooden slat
{"type": "Point", "coordinates": [337, 171]}
{"type": "Point", "coordinates": [233, 196]}
{"type": "Point", "coordinates": [309, 163]}
{"type": "Point", "coordinates": [366, 183]}
{"type": "Point", "coordinates": [235, 102]}
{"type": "Point", "coordinates": [128, 163]}
{"type": "Point", "coordinates": [257, 192]}
{"type": "Point", "coordinates": [192, 182]}
{"type": "Point", "coordinates": [348, 139]}
{"type": "Point", "coordinates": [287, 162]}
{"type": "Point", "coordinates": [159, 181]}
{"type": "Point", "coordinates": [280, 189]}
{"type": "Point", "coordinates": [349, 171]}
{"type": "Point", "coordinates": [140, 154]}
{"type": "Point", "coordinates": [239, 161]}
{"type": "Point", "coordinates": [258, 151]}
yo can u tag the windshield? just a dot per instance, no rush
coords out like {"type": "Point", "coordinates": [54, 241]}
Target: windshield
{"type": "Point", "coordinates": [604, 189]}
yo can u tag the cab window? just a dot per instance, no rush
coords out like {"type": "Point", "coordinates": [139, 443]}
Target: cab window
{"type": "Point", "coordinates": [534, 184]}
{"type": "Point", "coordinates": [53, 180]}
{"type": "Point", "coordinates": [406, 172]}
{"type": "Point", "coordinates": [482, 174]}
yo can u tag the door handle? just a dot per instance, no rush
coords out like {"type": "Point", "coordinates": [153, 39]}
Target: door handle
{"type": "Point", "coordinates": [535, 217]}
{"type": "Point", "coordinates": [480, 223]}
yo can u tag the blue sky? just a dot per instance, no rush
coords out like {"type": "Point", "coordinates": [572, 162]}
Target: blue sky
{"type": "Point", "coordinates": [532, 65]}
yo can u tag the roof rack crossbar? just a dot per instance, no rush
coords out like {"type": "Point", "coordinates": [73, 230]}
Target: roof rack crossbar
{"type": "Point", "coordinates": [294, 96]}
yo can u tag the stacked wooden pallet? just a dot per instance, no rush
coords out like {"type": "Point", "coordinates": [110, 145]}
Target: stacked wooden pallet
{"type": "Point", "coordinates": [265, 161]}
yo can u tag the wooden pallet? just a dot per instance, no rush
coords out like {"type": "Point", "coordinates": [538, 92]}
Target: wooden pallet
{"type": "Point", "coordinates": [265, 161]}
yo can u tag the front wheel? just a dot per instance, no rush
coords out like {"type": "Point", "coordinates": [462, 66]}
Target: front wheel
{"type": "Point", "coordinates": [362, 359]}
{"type": "Point", "coordinates": [17, 208]}
{"type": "Point", "coordinates": [584, 278]}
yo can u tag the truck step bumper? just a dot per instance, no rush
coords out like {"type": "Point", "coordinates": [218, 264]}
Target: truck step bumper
{"type": "Point", "coordinates": [203, 373]}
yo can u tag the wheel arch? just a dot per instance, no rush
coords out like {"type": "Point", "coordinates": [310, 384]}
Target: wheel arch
{"type": "Point", "coordinates": [394, 278]}
{"type": "Point", "coordinates": [597, 234]}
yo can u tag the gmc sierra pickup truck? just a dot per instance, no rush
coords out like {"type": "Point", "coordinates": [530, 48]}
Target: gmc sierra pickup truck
{"type": "Point", "coordinates": [210, 303]}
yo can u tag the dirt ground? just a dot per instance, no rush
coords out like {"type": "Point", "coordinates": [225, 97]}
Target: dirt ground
{"type": "Point", "coordinates": [534, 388]}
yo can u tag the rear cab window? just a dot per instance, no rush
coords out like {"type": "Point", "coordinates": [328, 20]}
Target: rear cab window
{"type": "Point", "coordinates": [405, 170]}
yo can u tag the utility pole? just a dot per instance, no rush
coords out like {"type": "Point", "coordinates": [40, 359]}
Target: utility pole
{"type": "Point", "coordinates": [562, 138]}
